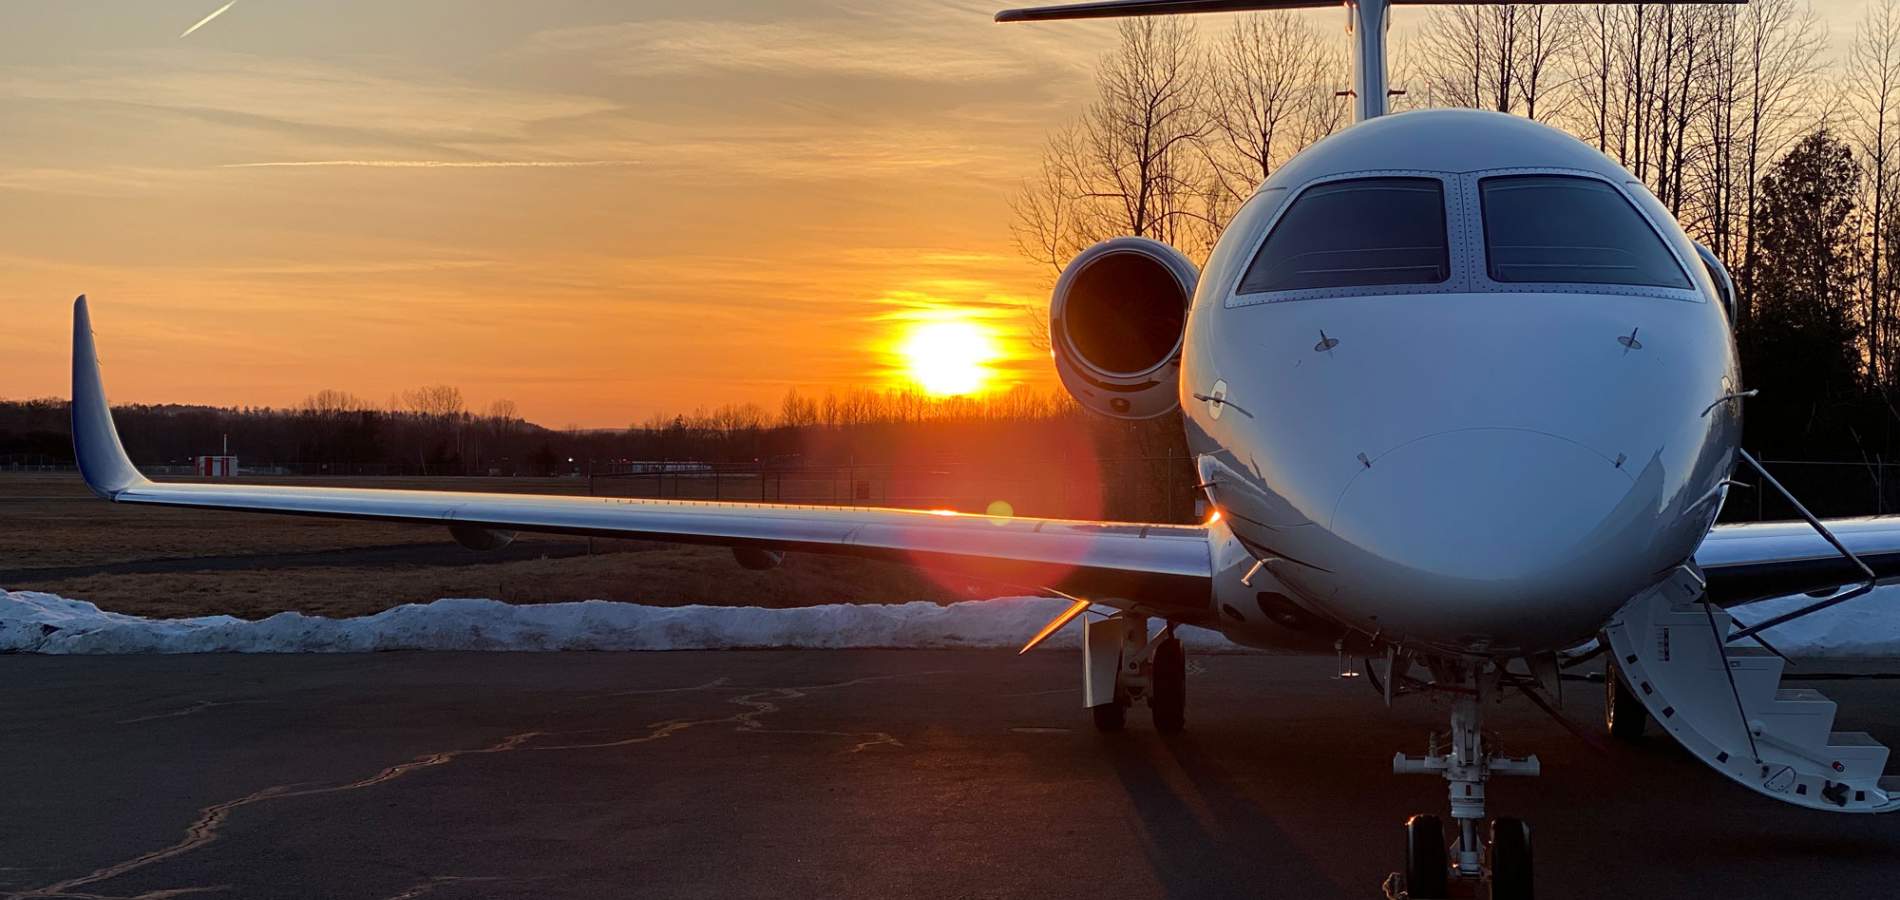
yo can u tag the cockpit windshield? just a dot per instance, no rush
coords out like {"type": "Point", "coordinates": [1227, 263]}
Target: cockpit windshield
{"type": "Point", "coordinates": [1356, 233]}
{"type": "Point", "coordinates": [1563, 229]}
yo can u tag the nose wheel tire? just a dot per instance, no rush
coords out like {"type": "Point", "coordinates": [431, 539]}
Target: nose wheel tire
{"type": "Point", "coordinates": [1168, 697]}
{"type": "Point", "coordinates": [1510, 847]}
{"type": "Point", "coordinates": [1425, 863]}
{"type": "Point", "coordinates": [1623, 713]}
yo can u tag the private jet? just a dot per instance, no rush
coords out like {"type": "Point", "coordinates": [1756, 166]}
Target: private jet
{"type": "Point", "coordinates": [1464, 398]}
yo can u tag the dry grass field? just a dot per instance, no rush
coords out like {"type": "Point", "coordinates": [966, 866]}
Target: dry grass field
{"type": "Point", "coordinates": [56, 537]}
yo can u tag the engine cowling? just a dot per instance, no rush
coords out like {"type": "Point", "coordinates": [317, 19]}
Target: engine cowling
{"type": "Point", "coordinates": [1116, 323]}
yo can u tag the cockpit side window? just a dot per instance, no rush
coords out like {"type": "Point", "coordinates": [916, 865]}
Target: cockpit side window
{"type": "Point", "coordinates": [1563, 229]}
{"type": "Point", "coordinates": [1356, 233]}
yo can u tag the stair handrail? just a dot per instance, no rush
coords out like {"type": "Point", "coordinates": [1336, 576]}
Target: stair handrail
{"type": "Point", "coordinates": [1815, 523]}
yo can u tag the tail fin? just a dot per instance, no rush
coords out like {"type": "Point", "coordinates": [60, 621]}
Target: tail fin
{"type": "Point", "coordinates": [102, 459]}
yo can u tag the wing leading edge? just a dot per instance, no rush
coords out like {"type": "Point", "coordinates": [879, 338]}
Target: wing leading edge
{"type": "Point", "coordinates": [1164, 569]}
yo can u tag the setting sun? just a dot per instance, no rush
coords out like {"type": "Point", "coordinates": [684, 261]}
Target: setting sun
{"type": "Point", "coordinates": [949, 358]}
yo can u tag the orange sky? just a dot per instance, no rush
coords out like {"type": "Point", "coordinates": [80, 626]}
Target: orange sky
{"type": "Point", "coordinates": [654, 205]}
{"type": "Point", "coordinates": [597, 208]}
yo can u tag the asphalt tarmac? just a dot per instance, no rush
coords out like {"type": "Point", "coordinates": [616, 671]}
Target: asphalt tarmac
{"type": "Point", "coordinates": [853, 774]}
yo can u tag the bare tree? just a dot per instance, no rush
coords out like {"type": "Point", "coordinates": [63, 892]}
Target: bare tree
{"type": "Point", "coordinates": [1469, 51]}
{"type": "Point", "coordinates": [1272, 90]}
{"type": "Point", "coordinates": [1593, 68]}
{"type": "Point", "coordinates": [1873, 78]}
{"type": "Point", "coordinates": [1715, 175]}
{"type": "Point", "coordinates": [797, 411]}
{"type": "Point", "coordinates": [329, 403]}
{"type": "Point", "coordinates": [1139, 136]}
{"type": "Point", "coordinates": [1049, 206]}
{"type": "Point", "coordinates": [1130, 165]}
{"type": "Point", "coordinates": [1683, 93]}
{"type": "Point", "coordinates": [1503, 57]}
{"type": "Point", "coordinates": [1545, 36]}
{"type": "Point", "coordinates": [1781, 47]}
{"type": "Point", "coordinates": [436, 401]}
{"type": "Point", "coordinates": [439, 406]}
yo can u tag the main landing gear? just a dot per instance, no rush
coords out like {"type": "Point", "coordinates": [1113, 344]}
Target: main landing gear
{"type": "Point", "coordinates": [1122, 665]}
{"type": "Point", "coordinates": [1434, 869]}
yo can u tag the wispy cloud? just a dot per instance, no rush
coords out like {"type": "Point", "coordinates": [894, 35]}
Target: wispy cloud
{"type": "Point", "coordinates": [854, 48]}
{"type": "Point", "coordinates": [433, 164]}
{"type": "Point", "coordinates": [396, 103]}
{"type": "Point", "coordinates": [207, 19]}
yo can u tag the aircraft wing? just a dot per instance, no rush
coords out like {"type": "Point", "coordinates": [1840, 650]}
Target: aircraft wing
{"type": "Point", "coordinates": [1160, 569]}
{"type": "Point", "coordinates": [1758, 560]}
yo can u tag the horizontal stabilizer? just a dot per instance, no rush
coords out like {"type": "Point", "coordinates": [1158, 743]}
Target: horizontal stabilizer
{"type": "Point", "coordinates": [1114, 9]}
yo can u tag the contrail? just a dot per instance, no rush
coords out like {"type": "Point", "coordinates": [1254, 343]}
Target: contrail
{"type": "Point", "coordinates": [207, 19]}
{"type": "Point", "coordinates": [432, 164]}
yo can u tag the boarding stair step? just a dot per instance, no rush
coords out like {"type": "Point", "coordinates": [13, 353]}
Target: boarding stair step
{"type": "Point", "coordinates": [1757, 673]}
{"type": "Point", "coordinates": [1858, 753]}
{"type": "Point", "coordinates": [1725, 704]}
{"type": "Point", "coordinates": [1801, 716]}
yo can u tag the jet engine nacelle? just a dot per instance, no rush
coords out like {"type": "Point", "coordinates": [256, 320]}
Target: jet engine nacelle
{"type": "Point", "coordinates": [1116, 323]}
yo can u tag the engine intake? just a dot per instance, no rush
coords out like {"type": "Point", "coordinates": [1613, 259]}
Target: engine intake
{"type": "Point", "coordinates": [1116, 323]}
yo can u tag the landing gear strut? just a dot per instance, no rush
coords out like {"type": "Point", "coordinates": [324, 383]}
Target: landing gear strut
{"type": "Point", "coordinates": [1122, 665]}
{"type": "Point", "coordinates": [1167, 695]}
{"type": "Point", "coordinates": [1467, 765]}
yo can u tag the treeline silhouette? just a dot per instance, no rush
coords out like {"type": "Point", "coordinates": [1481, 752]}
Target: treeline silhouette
{"type": "Point", "coordinates": [1025, 436]}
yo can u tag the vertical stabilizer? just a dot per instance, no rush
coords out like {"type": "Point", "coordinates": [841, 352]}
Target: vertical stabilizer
{"type": "Point", "coordinates": [1371, 87]}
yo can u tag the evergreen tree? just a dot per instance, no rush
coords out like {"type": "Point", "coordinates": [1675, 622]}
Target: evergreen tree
{"type": "Point", "coordinates": [1802, 345]}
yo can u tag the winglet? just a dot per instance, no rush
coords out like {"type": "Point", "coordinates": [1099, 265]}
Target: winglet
{"type": "Point", "coordinates": [102, 460]}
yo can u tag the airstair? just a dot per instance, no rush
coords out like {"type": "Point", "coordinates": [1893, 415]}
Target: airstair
{"type": "Point", "coordinates": [1724, 702]}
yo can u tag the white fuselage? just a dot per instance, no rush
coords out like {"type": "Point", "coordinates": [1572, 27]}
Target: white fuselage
{"type": "Point", "coordinates": [1476, 467]}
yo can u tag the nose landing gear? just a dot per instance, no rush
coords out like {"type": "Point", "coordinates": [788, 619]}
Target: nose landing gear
{"type": "Point", "coordinates": [1504, 859]}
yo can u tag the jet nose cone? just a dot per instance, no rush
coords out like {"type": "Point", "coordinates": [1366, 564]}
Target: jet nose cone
{"type": "Point", "coordinates": [1496, 535]}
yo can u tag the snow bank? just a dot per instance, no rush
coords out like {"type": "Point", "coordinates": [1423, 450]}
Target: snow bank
{"type": "Point", "coordinates": [1861, 627]}
{"type": "Point", "coordinates": [45, 623]}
